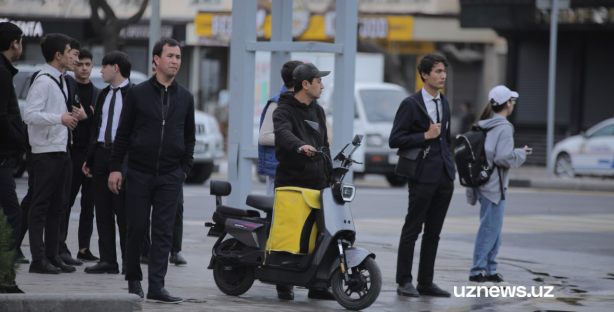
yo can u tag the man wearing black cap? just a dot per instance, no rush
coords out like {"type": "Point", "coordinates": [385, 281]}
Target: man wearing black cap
{"type": "Point", "coordinates": [300, 123]}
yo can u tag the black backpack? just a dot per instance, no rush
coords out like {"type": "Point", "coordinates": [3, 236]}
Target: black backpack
{"type": "Point", "coordinates": [470, 158]}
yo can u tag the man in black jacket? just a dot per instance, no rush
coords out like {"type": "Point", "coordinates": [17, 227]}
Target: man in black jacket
{"type": "Point", "coordinates": [116, 68]}
{"type": "Point", "coordinates": [430, 195]}
{"type": "Point", "coordinates": [158, 133]}
{"type": "Point", "coordinates": [86, 95]}
{"type": "Point", "coordinates": [12, 130]}
{"type": "Point", "coordinates": [293, 132]}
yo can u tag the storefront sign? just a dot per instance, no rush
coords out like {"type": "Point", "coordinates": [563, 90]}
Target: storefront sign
{"type": "Point", "coordinates": [29, 28]}
{"type": "Point", "coordinates": [318, 27]}
{"type": "Point", "coordinates": [578, 16]}
{"type": "Point", "coordinates": [142, 31]}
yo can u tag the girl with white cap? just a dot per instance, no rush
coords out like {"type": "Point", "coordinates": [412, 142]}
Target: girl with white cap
{"type": "Point", "coordinates": [500, 152]}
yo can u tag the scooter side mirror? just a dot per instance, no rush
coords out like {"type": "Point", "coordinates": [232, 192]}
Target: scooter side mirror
{"type": "Point", "coordinates": [357, 139]}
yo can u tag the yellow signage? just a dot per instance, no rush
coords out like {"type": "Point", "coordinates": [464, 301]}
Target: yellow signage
{"type": "Point", "coordinates": [318, 27]}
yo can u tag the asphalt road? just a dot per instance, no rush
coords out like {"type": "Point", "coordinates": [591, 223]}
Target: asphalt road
{"type": "Point", "coordinates": [562, 238]}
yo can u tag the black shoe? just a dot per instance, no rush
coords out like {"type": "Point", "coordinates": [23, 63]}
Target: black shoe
{"type": "Point", "coordinates": [57, 261]}
{"type": "Point", "coordinates": [103, 267]}
{"type": "Point", "coordinates": [163, 296]}
{"type": "Point", "coordinates": [69, 260]}
{"type": "Point", "coordinates": [478, 280]}
{"type": "Point", "coordinates": [322, 294]}
{"type": "Point", "coordinates": [87, 256]}
{"type": "Point", "coordinates": [20, 258]}
{"type": "Point", "coordinates": [44, 267]}
{"type": "Point", "coordinates": [145, 259]}
{"type": "Point", "coordinates": [432, 290]}
{"type": "Point", "coordinates": [407, 290]}
{"type": "Point", "coordinates": [285, 292]}
{"type": "Point", "coordinates": [497, 280]}
{"type": "Point", "coordinates": [134, 287]}
{"type": "Point", "coordinates": [177, 258]}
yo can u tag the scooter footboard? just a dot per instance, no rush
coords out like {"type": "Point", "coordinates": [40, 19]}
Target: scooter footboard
{"type": "Point", "coordinates": [354, 256]}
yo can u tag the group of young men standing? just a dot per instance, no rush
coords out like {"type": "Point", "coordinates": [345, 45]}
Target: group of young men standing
{"type": "Point", "coordinates": [103, 142]}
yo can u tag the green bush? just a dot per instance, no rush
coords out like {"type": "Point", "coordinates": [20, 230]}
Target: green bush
{"type": "Point", "coordinates": [7, 256]}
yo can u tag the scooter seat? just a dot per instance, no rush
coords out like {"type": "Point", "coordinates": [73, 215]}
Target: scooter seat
{"type": "Point", "coordinates": [261, 202]}
{"type": "Point", "coordinates": [226, 211]}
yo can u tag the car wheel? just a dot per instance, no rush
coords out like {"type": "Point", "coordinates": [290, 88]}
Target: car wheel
{"type": "Point", "coordinates": [199, 173]}
{"type": "Point", "coordinates": [563, 167]}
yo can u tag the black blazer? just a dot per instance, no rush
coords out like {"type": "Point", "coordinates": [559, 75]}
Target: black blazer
{"type": "Point", "coordinates": [410, 124]}
{"type": "Point", "coordinates": [97, 120]}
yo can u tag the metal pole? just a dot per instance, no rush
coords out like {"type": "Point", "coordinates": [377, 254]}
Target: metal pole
{"type": "Point", "coordinates": [154, 29]}
{"type": "Point", "coordinates": [346, 19]}
{"type": "Point", "coordinates": [281, 16]}
{"type": "Point", "coordinates": [551, 85]}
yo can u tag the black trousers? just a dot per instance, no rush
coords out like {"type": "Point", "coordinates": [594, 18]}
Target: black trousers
{"type": "Point", "coordinates": [156, 195]}
{"type": "Point", "coordinates": [428, 205]}
{"type": "Point", "coordinates": [27, 200]}
{"type": "Point", "coordinates": [108, 207]}
{"type": "Point", "coordinates": [9, 201]}
{"type": "Point", "coordinates": [51, 191]}
{"type": "Point", "coordinates": [86, 218]}
{"type": "Point", "coordinates": [177, 231]}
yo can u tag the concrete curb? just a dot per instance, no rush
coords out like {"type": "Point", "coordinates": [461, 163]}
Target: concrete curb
{"type": "Point", "coordinates": [73, 302]}
{"type": "Point", "coordinates": [567, 185]}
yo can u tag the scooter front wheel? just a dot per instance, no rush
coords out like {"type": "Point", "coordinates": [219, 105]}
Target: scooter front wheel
{"type": "Point", "coordinates": [362, 290]}
{"type": "Point", "coordinates": [232, 279]}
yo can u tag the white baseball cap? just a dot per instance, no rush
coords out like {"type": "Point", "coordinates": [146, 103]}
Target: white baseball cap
{"type": "Point", "coordinates": [499, 95]}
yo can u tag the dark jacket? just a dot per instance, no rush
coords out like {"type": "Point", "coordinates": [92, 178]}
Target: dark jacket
{"type": "Point", "coordinates": [81, 134]}
{"type": "Point", "coordinates": [157, 142]}
{"type": "Point", "coordinates": [96, 122]}
{"type": "Point", "coordinates": [410, 124]}
{"type": "Point", "coordinates": [12, 128]}
{"type": "Point", "coordinates": [267, 163]}
{"type": "Point", "coordinates": [292, 132]}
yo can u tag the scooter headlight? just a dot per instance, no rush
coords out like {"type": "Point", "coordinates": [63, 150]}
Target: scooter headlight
{"type": "Point", "coordinates": [348, 192]}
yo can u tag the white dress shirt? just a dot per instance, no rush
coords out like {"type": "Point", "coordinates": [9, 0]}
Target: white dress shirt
{"type": "Point", "coordinates": [119, 103]}
{"type": "Point", "coordinates": [430, 105]}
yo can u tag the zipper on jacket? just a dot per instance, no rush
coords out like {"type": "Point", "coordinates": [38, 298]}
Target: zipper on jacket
{"type": "Point", "coordinates": [162, 135]}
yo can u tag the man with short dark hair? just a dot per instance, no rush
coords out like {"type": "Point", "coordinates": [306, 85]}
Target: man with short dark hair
{"type": "Point", "coordinates": [292, 120]}
{"type": "Point", "coordinates": [266, 137]}
{"type": "Point", "coordinates": [49, 124]}
{"type": "Point", "coordinates": [86, 94]}
{"type": "Point", "coordinates": [12, 131]}
{"type": "Point", "coordinates": [429, 196]}
{"type": "Point", "coordinates": [157, 132]}
{"type": "Point", "coordinates": [116, 67]}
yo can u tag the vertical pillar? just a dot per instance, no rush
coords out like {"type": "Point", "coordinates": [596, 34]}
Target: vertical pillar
{"type": "Point", "coordinates": [346, 21]}
{"type": "Point", "coordinates": [242, 77]}
{"type": "Point", "coordinates": [281, 31]}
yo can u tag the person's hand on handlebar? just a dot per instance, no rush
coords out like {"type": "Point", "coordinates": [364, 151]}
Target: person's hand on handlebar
{"type": "Point", "coordinates": [307, 150]}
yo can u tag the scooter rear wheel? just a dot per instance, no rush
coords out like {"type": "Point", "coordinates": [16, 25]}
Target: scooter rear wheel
{"type": "Point", "coordinates": [232, 279]}
{"type": "Point", "coordinates": [364, 289]}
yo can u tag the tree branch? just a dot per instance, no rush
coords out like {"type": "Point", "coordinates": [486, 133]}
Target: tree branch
{"type": "Point", "coordinates": [96, 22]}
{"type": "Point", "coordinates": [136, 17]}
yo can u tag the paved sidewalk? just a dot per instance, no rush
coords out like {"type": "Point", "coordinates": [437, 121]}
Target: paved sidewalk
{"type": "Point", "coordinates": [577, 287]}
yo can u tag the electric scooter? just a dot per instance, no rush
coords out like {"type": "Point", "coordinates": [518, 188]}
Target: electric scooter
{"type": "Point", "coordinates": [239, 256]}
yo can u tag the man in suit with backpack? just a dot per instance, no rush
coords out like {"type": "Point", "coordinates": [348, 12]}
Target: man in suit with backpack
{"type": "Point", "coordinates": [423, 121]}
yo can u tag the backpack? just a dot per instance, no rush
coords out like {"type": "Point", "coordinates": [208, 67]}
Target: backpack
{"type": "Point", "coordinates": [470, 158]}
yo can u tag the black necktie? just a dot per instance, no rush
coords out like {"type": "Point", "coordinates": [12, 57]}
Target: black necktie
{"type": "Point", "coordinates": [109, 130]}
{"type": "Point", "coordinates": [437, 108]}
